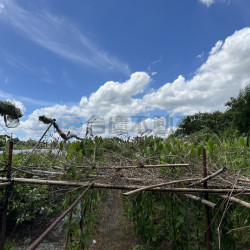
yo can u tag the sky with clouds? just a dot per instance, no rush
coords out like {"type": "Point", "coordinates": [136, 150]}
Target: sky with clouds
{"type": "Point", "coordinates": [122, 63]}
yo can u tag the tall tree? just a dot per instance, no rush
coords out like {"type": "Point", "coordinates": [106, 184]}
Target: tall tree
{"type": "Point", "coordinates": [239, 110]}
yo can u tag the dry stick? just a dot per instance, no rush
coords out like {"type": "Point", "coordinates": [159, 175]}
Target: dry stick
{"type": "Point", "coordinates": [157, 185]}
{"type": "Point", "coordinates": [21, 170]}
{"type": "Point", "coordinates": [140, 166]}
{"type": "Point", "coordinates": [33, 150]}
{"type": "Point", "coordinates": [241, 202]}
{"type": "Point", "coordinates": [236, 229]}
{"type": "Point", "coordinates": [53, 225]}
{"type": "Point", "coordinates": [42, 172]}
{"type": "Point", "coordinates": [203, 201]}
{"type": "Point", "coordinates": [209, 177]}
{"type": "Point", "coordinates": [243, 180]}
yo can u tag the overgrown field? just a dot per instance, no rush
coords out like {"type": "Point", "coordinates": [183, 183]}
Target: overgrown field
{"type": "Point", "coordinates": [163, 220]}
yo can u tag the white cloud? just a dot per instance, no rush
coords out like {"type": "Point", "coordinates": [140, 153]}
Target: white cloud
{"type": "Point", "coordinates": [216, 48]}
{"type": "Point", "coordinates": [59, 36]}
{"type": "Point", "coordinates": [223, 74]}
{"type": "Point", "coordinates": [200, 56]}
{"type": "Point", "coordinates": [207, 2]}
{"type": "Point", "coordinates": [110, 100]}
{"type": "Point", "coordinates": [220, 77]}
{"type": "Point", "coordinates": [114, 98]}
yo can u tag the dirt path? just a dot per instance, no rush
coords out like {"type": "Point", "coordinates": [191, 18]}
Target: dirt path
{"type": "Point", "coordinates": [114, 230]}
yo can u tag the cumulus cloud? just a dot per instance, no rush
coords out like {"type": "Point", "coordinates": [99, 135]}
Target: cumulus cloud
{"type": "Point", "coordinates": [220, 77]}
{"type": "Point", "coordinates": [207, 2]}
{"type": "Point", "coordinates": [115, 98]}
{"type": "Point", "coordinates": [112, 99]}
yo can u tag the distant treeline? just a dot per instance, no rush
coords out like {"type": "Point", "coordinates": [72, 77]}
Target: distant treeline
{"type": "Point", "coordinates": [235, 121]}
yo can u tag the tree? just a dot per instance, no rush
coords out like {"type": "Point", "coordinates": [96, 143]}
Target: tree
{"type": "Point", "coordinates": [216, 122]}
{"type": "Point", "coordinates": [239, 110]}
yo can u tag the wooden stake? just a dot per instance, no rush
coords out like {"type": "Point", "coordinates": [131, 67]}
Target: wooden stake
{"type": "Point", "coordinates": [208, 228]}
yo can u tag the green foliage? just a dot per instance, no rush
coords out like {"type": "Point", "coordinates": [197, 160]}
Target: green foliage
{"type": "Point", "coordinates": [174, 222]}
{"type": "Point", "coordinates": [164, 221]}
{"type": "Point", "coordinates": [27, 201]}
{"type": "Point", "coordinates": [79, 224]}
{"type": "Point", "coordinates": [239, 110]}
{"type": "Point", "coordinates": [213, 122]}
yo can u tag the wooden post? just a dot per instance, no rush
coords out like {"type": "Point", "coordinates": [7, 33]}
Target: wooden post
{"type": "Point", "coordinates": [208, 228]}
{"type": "Point", "coordinates": [6, 199]}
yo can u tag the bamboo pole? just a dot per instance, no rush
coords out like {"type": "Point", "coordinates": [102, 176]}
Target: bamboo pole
{"type": "Point", "coordinates": [42, 172]}
{"type": "Point", "coordinates": [209, 177]}
{"type": "Point", "coordinates": [177, 190]}
{"type": "Point", "coordinates": [5, 184]}
{"type": "Point", "coordinates": [140, 166]}
{"type": "Point", "coordinates": [157, 185]}
{"type": "Point", "coordinates": [21, 170]}
{"type": "Point", "coordinates": [36, 243]}
{"type": "Point", "coordinates": [241, 202]}
{"type": "Point", "coordinates": [130, 187]}
{"type": "Point", "coordinates": [203, 201]}
{"type": "Point", "coordinates": [47, 182]}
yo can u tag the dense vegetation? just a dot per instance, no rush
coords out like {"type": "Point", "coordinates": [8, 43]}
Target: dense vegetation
{"type": "Point", "coordinates": [164, 221]}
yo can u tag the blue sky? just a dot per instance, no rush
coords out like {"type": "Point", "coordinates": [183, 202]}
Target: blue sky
{"type": "Point", "coordinates": [107, 58]}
